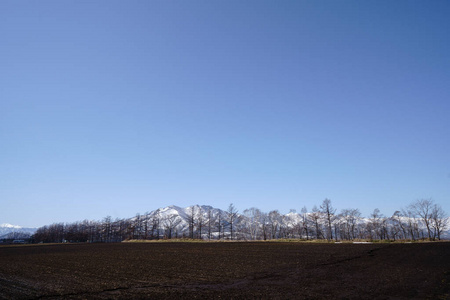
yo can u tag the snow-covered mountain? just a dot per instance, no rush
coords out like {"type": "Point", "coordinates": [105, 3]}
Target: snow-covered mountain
{"type": "Point", "coordinates": [175, 221]}
{"type": "Point", "coordinates": [6, 229]}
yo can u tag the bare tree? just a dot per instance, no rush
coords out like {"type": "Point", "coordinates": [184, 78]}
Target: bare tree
{"type": "Point", "coordinates": [411, 223]}
{"type": "Point", "coordinates": [191, 220]}
{"type": "Point", "coordinates": [170, 222]}
{"type": "Point", "coordinates": [337, 223]}
{"type": "Point", "coordinates": [264, 225]}
{"type": "Point", "coordinates": [305, 221]}
{"type": "Point", "coordinates": [399, 226]}
{"type": "Point", "coordinates": [315, 217]}
{"type": "Point", "coordinates": [138, 222]}
{"type": "Point", "coordinates": [155, 225]}
{"type": "Point", "coordinates": [398, 222]}
{"type": "Point", "coordinates": [351, 217]}
{"type": "Point", "coordinates": [439, 220]}
{"type": "Point", "coordinates": [210, 221]}
{"type": "Point", "coordinates": [107, 229]}
{"type": "Point", "coordinates": [374, 225]}
{"type": "Point", "coordinates": [220, 220]}
{"type": "Point", "coordinates": [328, 211]}
{"type": "Point", "coordinates": [199, 222]}
{"type": "Point", "coordinates": [291, 226]}
{"type": "Point", "coordinates": [384, 228]}
{"type": "Point", "coordinates": [146, 221]}
{"type": "Point", "coordinates": [232, 214]}
{"type": "Point", "coordinates": [275, 223]}
{"type": "Point", "coordinates": [423, 208]}
{"type": "Point", "coordinates": [253, 216]}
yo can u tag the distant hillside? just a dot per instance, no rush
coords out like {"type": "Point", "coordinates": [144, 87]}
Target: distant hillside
{"type": "Point", "coordinates": [6, 229]}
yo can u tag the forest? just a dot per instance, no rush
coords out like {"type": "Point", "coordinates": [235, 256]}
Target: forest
{"type": "Point", "coordinates": [421, 220]}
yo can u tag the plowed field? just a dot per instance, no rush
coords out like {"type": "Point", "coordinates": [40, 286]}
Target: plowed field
{"type": "Point", "coordinates": [238, 270]}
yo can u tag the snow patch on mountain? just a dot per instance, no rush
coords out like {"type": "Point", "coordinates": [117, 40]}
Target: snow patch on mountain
{"type": "Point", "coordinates": [6, 225]}
{"type": "Point", "coordinates": [6, 229]}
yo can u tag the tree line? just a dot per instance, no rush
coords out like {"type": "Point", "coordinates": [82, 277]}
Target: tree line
{"type": "Point", "coordinates": [422, 219]}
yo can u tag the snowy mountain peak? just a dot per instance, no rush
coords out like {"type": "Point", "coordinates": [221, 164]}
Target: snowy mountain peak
{"type": "Point", "coordinates": [6, 225]}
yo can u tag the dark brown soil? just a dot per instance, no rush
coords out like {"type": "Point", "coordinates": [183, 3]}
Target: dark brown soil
{"type": "Point", "coordinates": [225, 270]}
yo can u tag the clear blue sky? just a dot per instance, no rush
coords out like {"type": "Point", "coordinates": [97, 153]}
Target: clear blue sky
{"type": "Point", "coordinates": [120, 107]}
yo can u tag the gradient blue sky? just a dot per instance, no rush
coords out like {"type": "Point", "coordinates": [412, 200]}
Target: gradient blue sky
{"type": "Point", "coordinates": [120, 107]}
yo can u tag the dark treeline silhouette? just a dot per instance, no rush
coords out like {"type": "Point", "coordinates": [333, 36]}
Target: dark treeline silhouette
{"type": "Point", "coordinates": [422, 219]}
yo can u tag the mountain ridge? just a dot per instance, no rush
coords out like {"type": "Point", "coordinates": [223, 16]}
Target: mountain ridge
{"type": "Point", "coordinates": [7, 229]}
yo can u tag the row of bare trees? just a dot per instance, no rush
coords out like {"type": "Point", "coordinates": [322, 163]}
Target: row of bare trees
{"type": "Point", "coordinates": [419, 220]}
{"type": "Point", "coordinates": [198, 223]}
